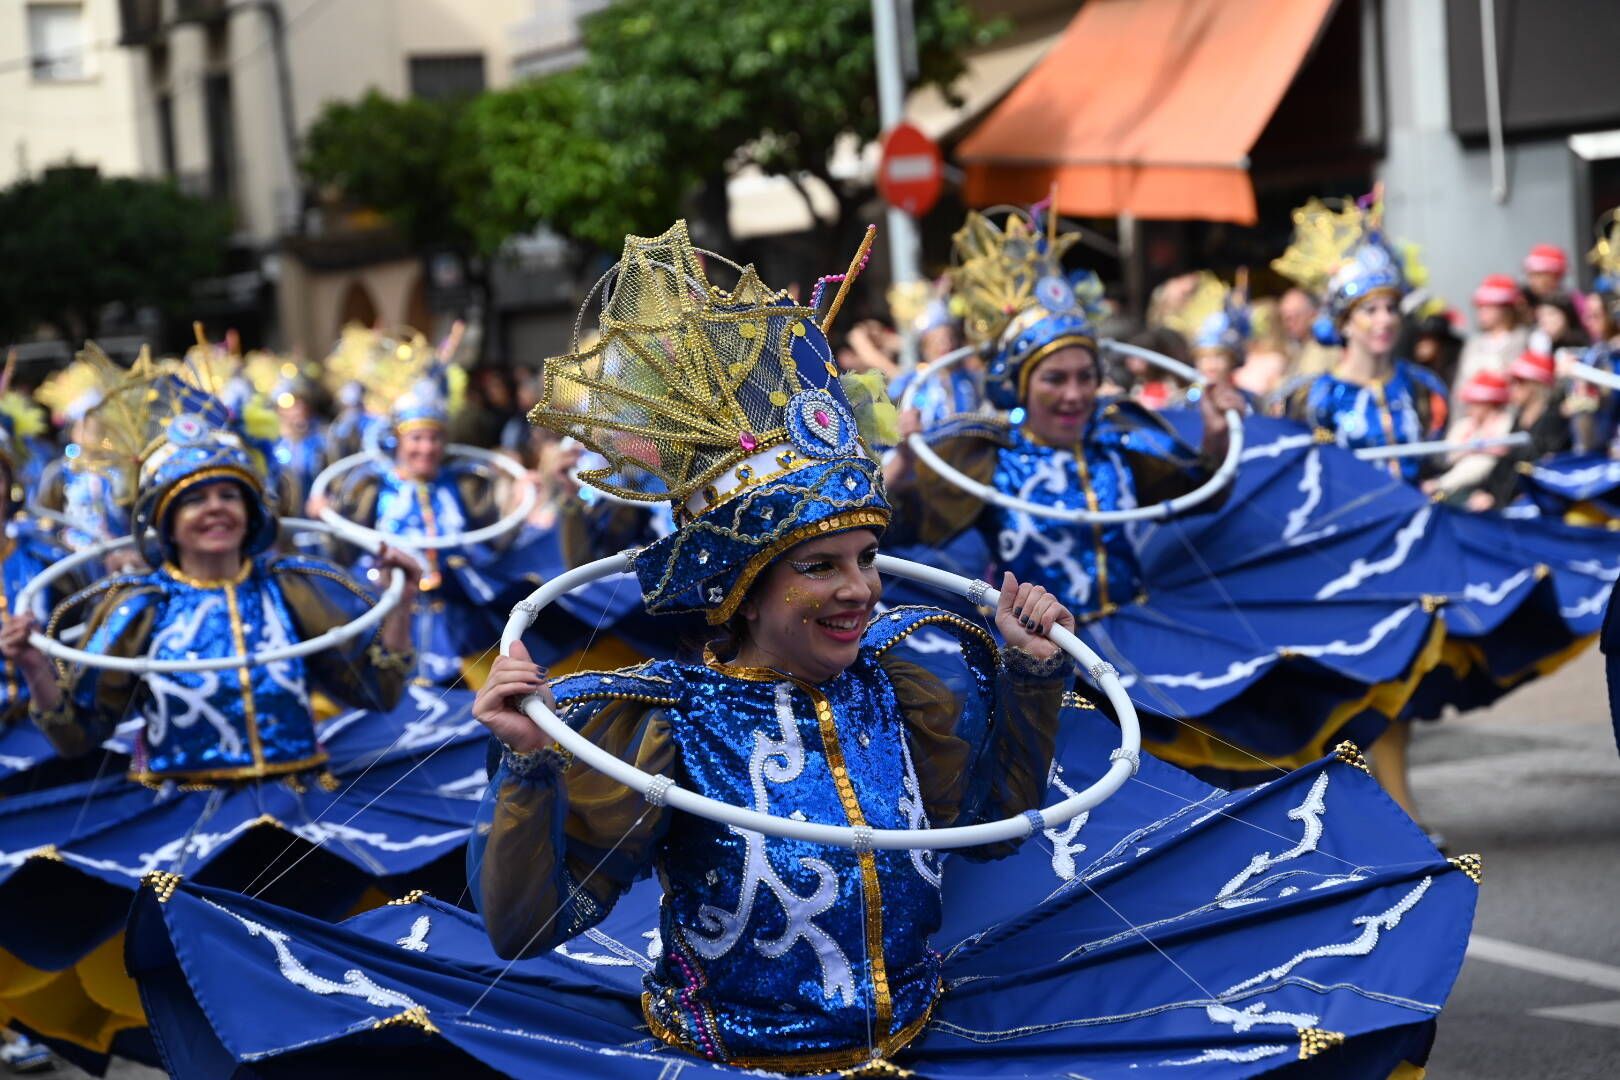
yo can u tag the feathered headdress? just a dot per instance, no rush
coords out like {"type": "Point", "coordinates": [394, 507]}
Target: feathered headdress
{"type": "Point", "coordinates": [728, 404]}
{"type": "Point", "coordinates": [1340, 254]}
{"type": "Point", "coordinates": [1017, 301]}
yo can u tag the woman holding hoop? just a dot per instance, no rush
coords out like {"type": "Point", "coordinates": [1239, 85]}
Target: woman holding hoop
{"type": "Point", "coordinates": [802, 957]}
{"type": "Point", "coordinates": [421, 493]}
{"type": "Point", "coordinates": [226, 757]}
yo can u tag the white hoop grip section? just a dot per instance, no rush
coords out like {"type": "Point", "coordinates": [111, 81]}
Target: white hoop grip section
{"type": "Point", "coordinates": [1120, 769]}
{"type": "Point", "coordinates": [142, 665]}
{"type": "Point", "coordinates": [354, 532]}
{"type": "Point", "coordinates": [1441, 446]}
{"type": "Point", "coordinates": [1158, 511]}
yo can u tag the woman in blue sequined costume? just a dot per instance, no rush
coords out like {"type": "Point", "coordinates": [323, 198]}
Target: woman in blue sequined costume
{"type": "Point", "coordinates": [1371, 397]}
{"type": "Point", "coordinates": [1232, 676]}
{"type": "Point", "coordinates": [230, 778]}
{"type": "Point", "coordinates": [421, 493]}
{"type": "Point", "coordinates": [82, 498]}
{"type": "Point", "coordinates": [760, 952]}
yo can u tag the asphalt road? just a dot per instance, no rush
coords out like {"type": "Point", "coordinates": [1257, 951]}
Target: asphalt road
{"type": "Point", "coordinates": [1534, 786]}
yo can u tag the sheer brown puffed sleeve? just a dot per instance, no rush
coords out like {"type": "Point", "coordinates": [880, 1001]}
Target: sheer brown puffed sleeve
{"type": "Point", "coordinates": [981, 744]}
{"type": "Point", "coordinates": [555, 843]}
{"type": "Point", "coordinates": [595, 531]}
{"type": "Point", "coordinates": [95, 700]}
{"type": "Point", "coordinates": [361, 672]}
{"type": "Point", "coordinates": [931, 509]}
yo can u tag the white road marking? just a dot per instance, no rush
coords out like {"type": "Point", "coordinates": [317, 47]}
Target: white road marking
{"type": "Point", "coordinates": [1557, 966]}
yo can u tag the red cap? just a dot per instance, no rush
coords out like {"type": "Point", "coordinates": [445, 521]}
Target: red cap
{"type": "Point", "coordinates": [1497, 289]}
{"type": "Point", "coordinates": [1532, 366]}
{"type": "Point", "coordinates": [1486, 388]}
{"type": "Point", "coordinates": [1546, 259]}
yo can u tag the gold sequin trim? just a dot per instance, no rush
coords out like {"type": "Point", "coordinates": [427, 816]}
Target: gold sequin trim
{"type": "Point", "coordinates": [416, 1016]}
{"type": "Point", "coordinates": [1433, 603]}
{"type": "Point", "coordinates": [1349, 753]}
{"type": "Point", "coordinates": [48, 853]}
{"type": "Point", "coordinates": [239, 772]}
{"type": "Point", "coordinates": [1073, 700]}
{"type": "Point", "coordinates": [162, 883]}
{"type": "Point", "coordinates": [1313, 1041]}
{"type": "Point", "coordinates": [1471, 864]}
{"type": "Point", "coordinates": [409, 898]}
{"type": "Point", "coordinates": [876, 1069]}
{"type": "Point", "coordinates": [184, 578]}
{"type": "Point", "coordinates": [1324, 436]}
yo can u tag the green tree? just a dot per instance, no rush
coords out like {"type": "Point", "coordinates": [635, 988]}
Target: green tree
{"type": "Point", "coordinates": [718, 84]}
{"type": "Point", "coordinates": [73, 242]}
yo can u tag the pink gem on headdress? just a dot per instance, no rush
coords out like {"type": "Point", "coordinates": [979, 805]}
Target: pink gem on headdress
{"type": "Point", "coordinates": [747, 441]}
{"type": "Point", "coordinates": [822, 419]}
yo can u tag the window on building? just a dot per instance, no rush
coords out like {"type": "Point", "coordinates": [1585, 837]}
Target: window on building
{"type": "Point", "coordinates": [221, 136]}
{"type": "Point", "coordinates": [440, 78]}
{"type": "Point", "coordinates": [165, 118]}
{"type": "Point", "coordinates": [58, 42]}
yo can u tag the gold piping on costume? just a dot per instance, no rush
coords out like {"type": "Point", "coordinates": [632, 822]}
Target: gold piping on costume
{"type": "Point", "coordinates": [250, 714]}
{"type": "Point", "coordinates": [1084, 341]}
{"type": "Point", "coordinates": [417, 422]}
{"type": "Point", "coordinates": [416, 1016]}
{"type": "Point", "coordinates": [234, 772]}
{"type": "Point", "coordinates": [840, 522]}
{"type": "Point", "coordinates": [235, 579]}
{"type": "Point", "coordinates": [202, 476]}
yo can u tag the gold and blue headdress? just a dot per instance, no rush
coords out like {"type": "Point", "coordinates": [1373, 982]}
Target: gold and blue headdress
{"type": "Point", "coordinates": [1017, 300]}
{"type": "Point", "coordinates": [1215, 315]}
{"type": "Point", "coordinates": [1605, 257]}
{"type": "Point", "coordinates": [727, 404]}
{"type": "Point", "coordinates": [174, 434]}
{"type": "Point", "coordinates": [1341, 255]}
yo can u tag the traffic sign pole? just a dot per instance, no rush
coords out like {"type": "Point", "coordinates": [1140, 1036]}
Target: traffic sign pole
{"type": "Point", "coordinates": [902, 238]}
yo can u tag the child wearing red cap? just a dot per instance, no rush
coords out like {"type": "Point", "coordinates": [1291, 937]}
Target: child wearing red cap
{"type": "Point", "coordinates": [1485, 415]}
{"type": "Point", "coordinates": [1544, 270]}
{"type": "Point", "coordinates": [1501, 336]}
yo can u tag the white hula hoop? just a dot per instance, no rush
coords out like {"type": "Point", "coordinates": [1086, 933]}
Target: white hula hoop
{"type": "Point", "coordinates": [351, 530]}
{"type": "Point", "coordinates": [1122, 767]}
{"type": "Point", "coordinates": [1427, 449]}
{"type": "Point", "coordinates": [1158, 511]}
{"type": "Point", "coordinates": [142, 665]}
{"type": "Point", "coordinates": [1595, 376]}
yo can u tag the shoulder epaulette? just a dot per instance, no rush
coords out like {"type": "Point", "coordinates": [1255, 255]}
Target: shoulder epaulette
{"type": "Point", "coordinates": [895, 625]}
{"type": "Point", "coordinates": [644, 682]}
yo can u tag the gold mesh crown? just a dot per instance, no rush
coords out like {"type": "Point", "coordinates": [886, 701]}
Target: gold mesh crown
{"type": "Point", "coordinates": [686, 379]}
{"type": "Point", "coordinates": [997, 269]}
{"type": "Point", "coordinates": [1324, 237]}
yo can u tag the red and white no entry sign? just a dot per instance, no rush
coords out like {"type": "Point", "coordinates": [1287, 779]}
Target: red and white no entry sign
{"type": "Point", "coordinates": [912, 172]}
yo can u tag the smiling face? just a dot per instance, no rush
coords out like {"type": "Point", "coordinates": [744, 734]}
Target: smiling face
{"type": "Point", "coordinates": [210, 520]}
{"type": "Point", "coordinates": [420, 452]}
{"type": "Point", "coordinates": [807, 611]}
{"type": "Point", "coordinates": [1373, 324]}
{"type": "Point", "coordinates": [1062, 394]}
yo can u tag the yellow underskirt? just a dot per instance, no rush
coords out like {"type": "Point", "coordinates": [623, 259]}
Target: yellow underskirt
{"type": "Point", "coordinates": [87, 1004]}
{"type": "Point", "coordinates": [1193, 747]}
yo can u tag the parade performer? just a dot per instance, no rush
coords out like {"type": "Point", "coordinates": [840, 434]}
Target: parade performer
{"type": "Point", "coordinates": [1371, 397]}
{"type": "Point", "coordinates": [230, 778]}
{"type": "Point", "coordinates": [417, 491]}
{"type": "Point", "coordinates": [301, 440]}
{"type": "Point", "coordinates": [1214, 320]}
{"type": "Point", "coordinates": [80, 490]}
{"type": "Point", "coordinates": [792, 956]}
{"type": "Point", "coordinates": [357, 424]}
{"type": "Point", "coordinates": [1232, 678]}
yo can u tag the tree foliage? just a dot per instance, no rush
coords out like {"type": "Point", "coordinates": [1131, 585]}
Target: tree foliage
{"type": "Point", "coordinates": [73, 242]}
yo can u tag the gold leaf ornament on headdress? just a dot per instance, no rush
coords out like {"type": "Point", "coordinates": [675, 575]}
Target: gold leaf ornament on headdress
{"type": "Point", "coordinates": [1324, 237]}
{"type": "Point", "coordinates": [997, 270]}
{"type": "Point", "coordinates": [1209, 295]}
{"type": "Point", "coordinates": [686, 378]}
{"type": "Point", "coordinates": [1605, 253]}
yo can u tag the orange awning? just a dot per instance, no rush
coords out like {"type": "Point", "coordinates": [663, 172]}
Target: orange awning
{"type": "Point", "coordinates": [1148, 107]}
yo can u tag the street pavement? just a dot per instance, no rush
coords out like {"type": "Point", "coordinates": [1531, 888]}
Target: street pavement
{"type": "Point", "coordinates": [1533, 785]}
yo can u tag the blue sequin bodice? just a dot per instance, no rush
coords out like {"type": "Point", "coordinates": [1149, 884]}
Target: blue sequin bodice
{"type": "Point", "coordinates": [90, 503]}
{"type": "Point", "coordinates": [410, 508]}
{"type": "Point", "coordinates": [1091, 568]}
{"type": "Point", "coordinates": [1409, 407]}
{"type": "Point", "coordinates": [218, 724]}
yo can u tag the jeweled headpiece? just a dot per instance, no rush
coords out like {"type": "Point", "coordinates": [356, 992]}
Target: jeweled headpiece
{"type": "Point", "coordinates": [1605, 256]}
{"type": "Point", "coordinates": [728, 404]}
{"type": "Point", "coordinates": [1215, 315]}
{"type": "Point", "coordinates": [1017, 300]}
{"type": "Point", "coordinates": [1341, 255]}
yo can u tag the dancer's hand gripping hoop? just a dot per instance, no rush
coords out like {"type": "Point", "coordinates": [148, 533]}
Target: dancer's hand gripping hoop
{"type": "Point", "coordinates": [660, 791]}
{"type": "Point", "coordinates": [142, 665]}
{"type": "Point", "coordinates": [1156, 512]}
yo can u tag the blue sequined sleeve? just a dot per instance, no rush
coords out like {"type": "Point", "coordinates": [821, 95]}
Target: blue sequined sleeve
{"type": "Point", "coordinates": [554, 846]}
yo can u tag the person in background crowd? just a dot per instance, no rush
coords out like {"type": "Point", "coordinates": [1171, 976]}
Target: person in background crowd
{"type": "Point", "coordinates": [1554, 318]}
{"type": "Point", "coordinates": [1544, 270]}
{"type": "Point", "coordinates": [1307, 355]}
{"type": "Point", "coordinates": [1433, 343]}
{"type": "Point", "coordinates": [1533, 391]}
{"type": "Point", "coordinates": [1267, 366]}
{"type": "Point", "coordinates": [1485, 415]}
{"type": "Point", "coordinates": [1500, 337]}
{"type": "Point", "coordinates": [871, 345]}
{"type": "Point", "coordinates": [1144, 383]}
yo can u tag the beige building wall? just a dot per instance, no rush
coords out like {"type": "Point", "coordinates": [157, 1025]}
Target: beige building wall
{"type": "Point", "coordinates": [92, 119]}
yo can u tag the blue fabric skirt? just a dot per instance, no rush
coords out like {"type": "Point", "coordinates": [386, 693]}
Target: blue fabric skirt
{"type": "Point", "coordinates": [1305, 926]}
